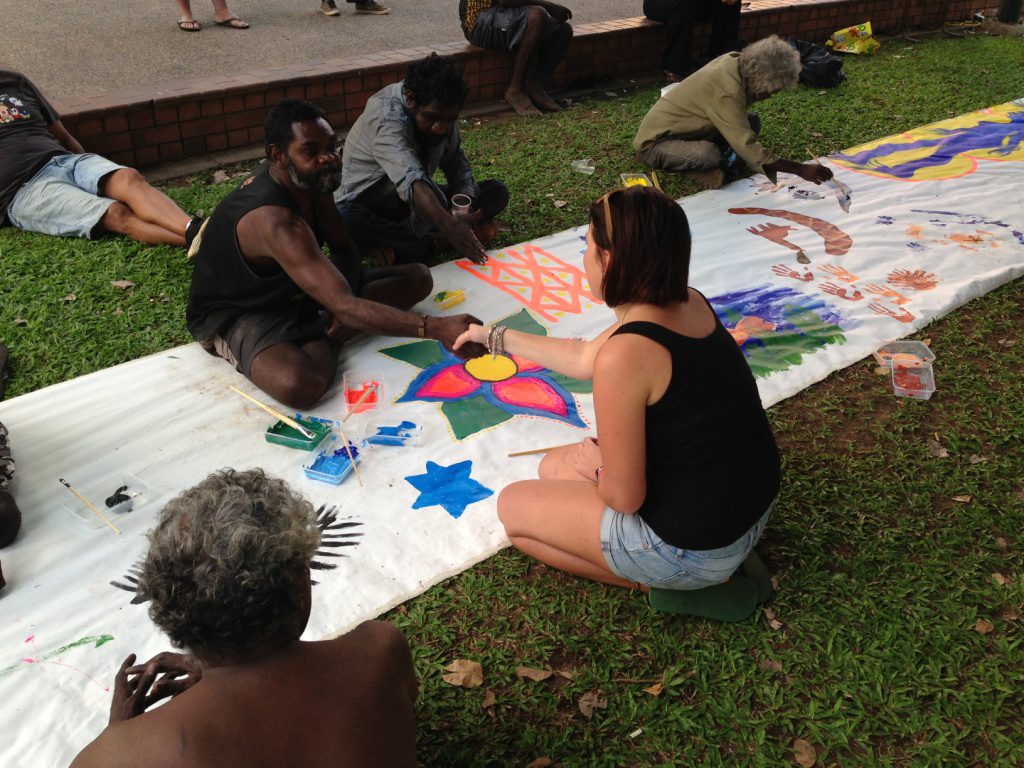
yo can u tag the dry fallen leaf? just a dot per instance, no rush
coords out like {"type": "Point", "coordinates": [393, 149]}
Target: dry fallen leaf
{"type": "Point", "coordinates": [655, 690]}
{"type": "Point", "coordinates": [20, 321]}
{"type": "Point", "coordinates": [122, 284]}
{"type": "Point", "coordinates": [998, 578]}
{"type": "Point", "coordinates": [772, 621]}
{"type": "Point", "coordinates": [220, 176]}
{"type": "Point", "coordinates": [773, 665]}
{"type": "Point", "coordinates": [983, 627]}
{"type": "Point", "coordinates": [1002, 543]}
{"type": "Point", "coordinates": [926, 342]}
{"type": "Point", "coordinates": [489, 699]}
{"type": "Point", "coordinates": [963, 499]}
{"type": "Point", "coordinates": [70, 297]}
{"type": "Point", "coordinates": [936, 450]}
{"type": "Point", "coordinates": [564, 673]}
{"type": "Point", "coordinates": [775, 583]}
{"type": "Point", "coordinates": [534, 674]}
{"type": "Point", "coordinates": [1010, 614]}
{"type": "Point", "coordinates": [590, 701]}
{"type": "Point", "coordinates": [560, 203]}
{"type": "Point", "coordinates": [118, 311]}
{"type": "Point", "coordinates": [804, 753]}
{"type": "Point", "coordinates": [464, 673]}
{"type": "Point", "coordinates": [540, 762]}
{"type": "Point", "coordinates": [883, 371]}
{"type": "Point", "coordinates": [976, 459]}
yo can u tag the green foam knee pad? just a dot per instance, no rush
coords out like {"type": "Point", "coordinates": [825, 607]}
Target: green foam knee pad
{"type": "Point", "coordinates": [735, 600]}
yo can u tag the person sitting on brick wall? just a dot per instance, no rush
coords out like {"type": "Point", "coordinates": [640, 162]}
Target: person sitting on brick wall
{"type": "Point", "coordinates": [679, 16]}
{"type": "Point", "coordinates": [701, 125]}
{"type": "Point", "coordinates": [537, 32]}
{"type": "Point", "coordinates": [265, 297]}
{"type": "Point", "coordinates": [227, 578]}
{"type": "Point", "coordinates": [388, 197]}
{"type": "Point", "coordinates": [49, 184]}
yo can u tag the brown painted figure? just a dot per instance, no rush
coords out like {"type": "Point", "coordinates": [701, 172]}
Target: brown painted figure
{"type": "Point", "coordinates": [266, 298]}
{"type": "Point", "coordinates": [227, 574]}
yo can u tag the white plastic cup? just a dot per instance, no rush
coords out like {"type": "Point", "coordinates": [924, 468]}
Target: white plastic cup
{"type": "Point", "coordinates": [460, 205]}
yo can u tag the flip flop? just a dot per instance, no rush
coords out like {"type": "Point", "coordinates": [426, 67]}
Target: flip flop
{"type": "Point", "coordinates": [233, 23]}
{"type": "Point", "coordinates": [188, 26]}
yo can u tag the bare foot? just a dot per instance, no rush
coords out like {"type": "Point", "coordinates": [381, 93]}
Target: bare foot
{"type": "Point", "coordinates": [541, 98]}
{"type": "Point", "coordinates": [520, 102]}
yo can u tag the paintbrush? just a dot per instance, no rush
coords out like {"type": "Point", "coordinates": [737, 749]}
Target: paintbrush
{"type": "Point", "coordinates": [532, 451]}
{"type": "Point", "coordinates": [274, 412]}
{"type": "Point", "coordinates": [85, 501]}
{"type": "Point", "coordinates": [842, 191]}
{"type": "Point", "coordinates": [362, 397]}
{"type": "Point", "coordinates": [351, 458]}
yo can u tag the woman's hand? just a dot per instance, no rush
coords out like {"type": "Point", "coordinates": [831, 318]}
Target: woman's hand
{"type": "Point", "coordinates": [588, 459]}
{"type": "Point", "coordinates": [476, 334]}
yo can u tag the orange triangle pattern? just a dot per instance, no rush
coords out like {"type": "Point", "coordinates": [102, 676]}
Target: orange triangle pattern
{"type": "Point", "coordinates": [538, 279]}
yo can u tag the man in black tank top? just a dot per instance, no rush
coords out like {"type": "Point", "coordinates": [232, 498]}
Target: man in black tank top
{"type": "Point", "coordinates": [266, 298]}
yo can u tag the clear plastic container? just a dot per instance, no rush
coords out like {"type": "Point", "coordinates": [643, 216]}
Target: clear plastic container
{"type": "Point", "coordinates": [332, 464]}
{"type": "Point", "coordinates": [635, 180]}
{"type": "Point", "coordinates": [115, 494]}
{"type": "Point", "coordinates": [288, 436]}
{"type": "Point", "coordinates": [905, 353]}
{"type": "Point", "coordinates": [397, 434]}
{"type": "Point", "coordinates": [364, 391]}
{"type": "Point", "coordinates": [586, 165]}
{"type": "Point", "coordinates": [448, 299]}
{"type": "Point", "coordinates": [917, 381]}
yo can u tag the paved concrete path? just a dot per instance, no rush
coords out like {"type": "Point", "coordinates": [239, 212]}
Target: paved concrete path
{"type": "Point", "coordinates": [88, 47]}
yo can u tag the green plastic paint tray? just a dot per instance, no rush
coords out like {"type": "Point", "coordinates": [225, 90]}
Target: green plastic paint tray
{"type": "Point", "coordinates": [290, 437]}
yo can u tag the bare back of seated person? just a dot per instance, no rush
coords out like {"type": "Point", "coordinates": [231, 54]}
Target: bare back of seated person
{"type": "Point", "coordinates": [227, 577]}
{"type": "Point", "coordinates": [337, 702]}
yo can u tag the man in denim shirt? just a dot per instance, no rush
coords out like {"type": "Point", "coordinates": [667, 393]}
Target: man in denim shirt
{"type": "Point", "coordinates": [388, 197]}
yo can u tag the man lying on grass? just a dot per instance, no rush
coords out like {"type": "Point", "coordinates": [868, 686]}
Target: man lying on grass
{"type": "Point", "coordinates": [227, 574]}
{"type": "Point", "coordinates": [50, 184]}
{"type": "Point", "coordinates": [265, 297]}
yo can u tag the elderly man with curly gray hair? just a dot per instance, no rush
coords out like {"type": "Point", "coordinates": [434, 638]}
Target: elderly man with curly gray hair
{"type": "Point", "coordinates": [227, 574]}
{"type": "Point", "coordinates": [701, 126]}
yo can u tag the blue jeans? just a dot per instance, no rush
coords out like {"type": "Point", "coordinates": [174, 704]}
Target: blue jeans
{"type": "Point", "coordinates": [63, 197]}
{"type": "Point", "coordinates": [636, 553]}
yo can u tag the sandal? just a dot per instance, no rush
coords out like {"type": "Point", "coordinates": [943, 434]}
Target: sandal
{"type": "Point", "coordinates": [233, 23]}
{"type": "Point", "coordinates": [188, 26]}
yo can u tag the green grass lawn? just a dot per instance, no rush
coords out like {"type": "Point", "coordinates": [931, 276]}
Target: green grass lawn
{"type": "Point", "coordinates": [876, 659]}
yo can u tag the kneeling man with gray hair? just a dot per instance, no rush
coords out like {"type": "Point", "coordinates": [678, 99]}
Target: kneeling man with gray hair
{"type": "Point", "coordinates": [701, 126]}
{"type": "Point", "coordinates": [228, 576]}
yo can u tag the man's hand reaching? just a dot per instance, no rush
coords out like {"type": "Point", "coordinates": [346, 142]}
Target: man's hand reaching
{"type": "Point", "coordinates": [448, 329]}
{"type": "Point", "coordinates": [463, 239]}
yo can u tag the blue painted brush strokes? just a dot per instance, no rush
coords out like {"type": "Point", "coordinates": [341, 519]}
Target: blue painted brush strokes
{"type": "Point", "coordinates": [448, 487]}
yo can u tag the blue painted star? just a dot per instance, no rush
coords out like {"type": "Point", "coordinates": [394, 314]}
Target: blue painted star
{"type": "Point", "coordinates": [448, 487]}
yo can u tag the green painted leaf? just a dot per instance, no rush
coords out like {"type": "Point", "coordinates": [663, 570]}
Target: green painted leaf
{"type": "Point", "coordinates": [525, 322]}
{"type": "Point", "coordinates": [471, 415]}
{"type": "Point", "coordinates": [422, 354]}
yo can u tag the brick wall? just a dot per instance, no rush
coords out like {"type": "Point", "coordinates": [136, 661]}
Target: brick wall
{"type": "Point", "coordinates": [184, 119]}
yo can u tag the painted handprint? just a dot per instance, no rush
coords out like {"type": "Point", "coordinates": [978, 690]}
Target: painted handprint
{"type": "Point", "coordinates": [836, 290]}
{"type": "Point", "coordinates": [783, 271]}
{"type": "Point", "coordinates": [774, 232]}
{"type": "Point", "coordinates": [888, 294]}
{"type": "Point", "coordinates": [902, 315]}
{"type": "Point", "coordinates": [839, 273]}
{"type": "Point", "coordinates": [916, 280]}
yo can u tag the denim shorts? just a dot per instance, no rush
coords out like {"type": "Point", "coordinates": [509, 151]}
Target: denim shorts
{"type": "Point", "coordinates": [63, 198]}
{"type": "Point", "coordinates": [636, 553]}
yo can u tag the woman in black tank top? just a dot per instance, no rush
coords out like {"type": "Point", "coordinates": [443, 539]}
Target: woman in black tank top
{"type": "Point", "coordinates": [678, 485]}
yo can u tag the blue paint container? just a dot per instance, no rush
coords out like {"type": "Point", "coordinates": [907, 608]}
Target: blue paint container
{"type": "Point", "coordinates": [332, 465]}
